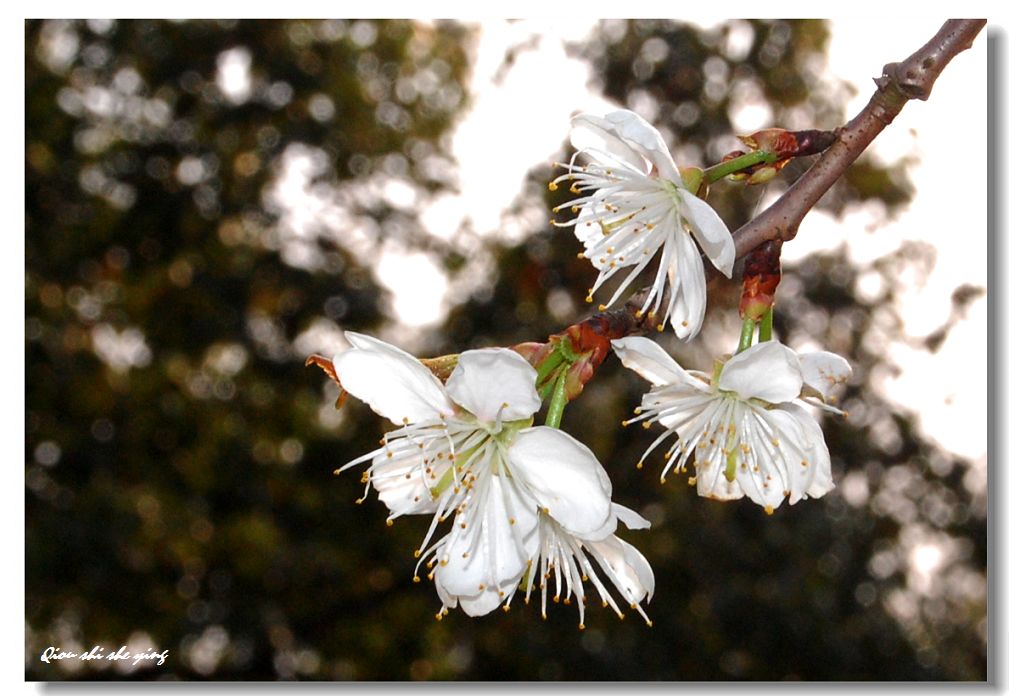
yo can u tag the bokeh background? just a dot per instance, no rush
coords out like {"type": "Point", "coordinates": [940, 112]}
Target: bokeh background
{"type": "Point", "coordinates": [209, 202]}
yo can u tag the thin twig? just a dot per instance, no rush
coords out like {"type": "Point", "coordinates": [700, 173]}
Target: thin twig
{"type": "Point", "coordinates": [911, 79]}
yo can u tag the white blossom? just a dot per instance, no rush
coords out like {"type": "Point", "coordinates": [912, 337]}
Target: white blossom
{"type": "Point", "coordinates": [636, 208]}
{"type": "Point", "coordinates": [518, 495]}
{"type": "Point", "coordinates": [743, 425]}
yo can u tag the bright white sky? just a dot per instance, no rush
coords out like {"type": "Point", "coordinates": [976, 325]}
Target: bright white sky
{"type": "Point", "coordinates": [497, 143]}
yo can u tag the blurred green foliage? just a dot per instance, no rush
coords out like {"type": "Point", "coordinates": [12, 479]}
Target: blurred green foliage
{"type": "Point", "coordinates": [179, 486]}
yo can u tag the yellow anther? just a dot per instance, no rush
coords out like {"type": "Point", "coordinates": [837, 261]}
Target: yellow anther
{"type": "Point", "coordinates": [639, 465]}
{"type": "Point", "coordinates": [602, 308]}
{"type": "Point", "coordinates": [552, 186]}
{"type": "Point", "coordinates": [769, 510]}
{"type": "Point", "coordinates": [388, 523]}
{"type": "Point", "coordinates": [416, 578]}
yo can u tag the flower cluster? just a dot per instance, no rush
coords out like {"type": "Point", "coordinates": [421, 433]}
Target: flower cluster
{"type": "Point", "coordinates": [742, 423]}
{"type": "Point", "coordinates": [529, 504]}
{"type": "Point", "coordinates": [637, 208]}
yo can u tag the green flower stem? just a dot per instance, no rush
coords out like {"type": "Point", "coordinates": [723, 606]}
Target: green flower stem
{"type": "Point", "coordinates": [746, 335]}
{"type": "Point", "coordinates": [766, 323]}
{"type": "Point", "coordinates": [549, 364]}
{"type": "Point", "coordinates": [559, 399]}
{"type": "Point", "coordinates": [737, 164]}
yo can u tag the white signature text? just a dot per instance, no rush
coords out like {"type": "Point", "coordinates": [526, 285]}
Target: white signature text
{"type": "Point", "coordinates": [100, 653]}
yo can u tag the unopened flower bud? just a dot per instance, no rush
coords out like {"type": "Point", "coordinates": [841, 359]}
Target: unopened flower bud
{"type": "Point", "coordinates": [777, 140]}
{"type": "Point", "coordinates": [761, 274]}
{"type": "Point", "coordinates": [762, 175]}
{"type": "Point", "coordinates": [693, 179]}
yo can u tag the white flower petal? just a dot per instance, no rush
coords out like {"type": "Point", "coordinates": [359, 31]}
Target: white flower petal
{"type": "Point", "coordinates": [710, 231]}
{"type": "Point", "coordinates": [494, 383]}
{"type": "Point", "coordinates": [625, 566]}
{"type": "Point", "coordinates": [481, 550]}
{"type": "Point", "coordinates": [824, 372]}
{"type": "Point", "coordinates": [711, 483]}
{"type": "Point", "coordinates": [768, 371]}
{"type": "Point", "coordinates": [394, 383]}
{"type": "Point", "coordinates": [631, 519]}
{"type": "Point", "coordinates": [820, 480]}
{"type": "Point", "coordinates": [763, 479]}
{"type": "Point", "coordinates": [487, 601]}
{"type": "Point", "coordinates": [649, 360]}
{"type": "Point", "coordinates": [686, 311]}
{"type": "Point", "coordinates": [563, 477]}
{"type": "Point", "coordinates": [628, 137]}
{"type": "Point", "coordinates": [401, 484]}
{"type": "Point", "coordinates": [450, 601]}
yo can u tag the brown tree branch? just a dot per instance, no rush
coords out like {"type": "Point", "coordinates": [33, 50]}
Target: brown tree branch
{"type": "Point", "coordinates": [911, 79]}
